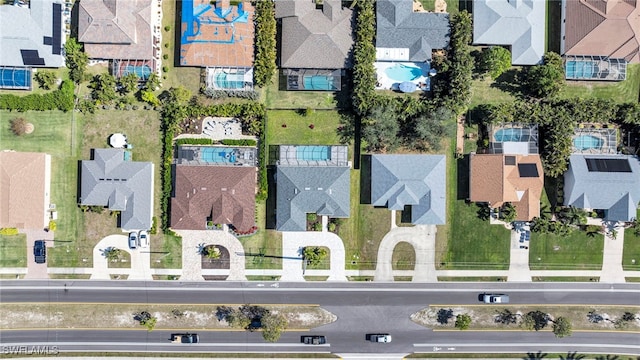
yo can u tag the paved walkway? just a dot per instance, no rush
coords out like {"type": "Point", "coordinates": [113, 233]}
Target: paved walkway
{"type": "Point", "coordinates": [612, 271]}
{"type": "Point", "coordinates": [36, 271]}
{"type": "Point", "coordinates": [192, 240]}
{"type": "Point", "coordinates": [519, 259]}
{"type": "Point", "coordinates": [140, 260]}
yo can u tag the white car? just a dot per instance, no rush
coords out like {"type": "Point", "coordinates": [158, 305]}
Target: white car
{"type": "Point", "coordinates": [380, 338]}
{"type": "Point", "coordinates": [133, 240]}
{"type": "Point", "coordinates": [143, 239]}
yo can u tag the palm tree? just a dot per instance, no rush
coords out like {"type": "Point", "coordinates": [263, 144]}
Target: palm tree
{"type": "Point", "coordinates": [508, 212]}
{"type": "Point", "coordinates": [607, 357]}
{"type": "Point", "coordinates": [111, 253]}
{"type": "Point", "coordinates": [574, 216]}
{"type": "Point", "coordinates": [537, 356]}
{"type": "Point", "coordinates": [572, 356]}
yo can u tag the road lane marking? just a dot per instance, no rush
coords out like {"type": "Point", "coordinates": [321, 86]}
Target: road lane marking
{"type": "Point", "coordinates": [440, 346]}
{"type": "Point", "coordinates": [542, 330]}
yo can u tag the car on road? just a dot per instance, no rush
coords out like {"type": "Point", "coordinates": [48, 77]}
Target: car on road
{"type": "Point", "coordinates": [495, 298]}
{"type": "Point", "coordinates": [185, 338]}
{"type": "Point", "coordinates": [314, 339]}
{"type": "Point", "coordinates": [380, 338]}
{"type": "Point", "coordinates": [133, 240]}
{"type": "Point", "coordinates": [40, 251]}
{"type": "Point", "coordinates": [143, 239]}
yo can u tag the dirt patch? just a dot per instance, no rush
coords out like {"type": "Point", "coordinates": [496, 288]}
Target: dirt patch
{"type": "Point", "coordinates": [484, 317]}
{"type": "Point", "coordinates": [68, 316]}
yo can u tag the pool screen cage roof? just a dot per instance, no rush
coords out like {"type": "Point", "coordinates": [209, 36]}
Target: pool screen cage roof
{"type": "Point", "coordinates": [121, 67]}
{"type": "Point", "coordinates": [594, 67]}
{"type": "Point", "coordinates": [582, 137]}
{"type": "Point", "coordinates": [14, 78]}
{"type": "Point", "coordinates": [235, 78]}
{"type": "Point", "coordinates": [295, 79]}
{"type": "Point", "coordinates": [289, 155]}
{"type": "Point", "coordinates": [518, 133]}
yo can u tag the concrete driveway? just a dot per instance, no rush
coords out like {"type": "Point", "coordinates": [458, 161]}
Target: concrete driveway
{"type": "Point", "coordinates": [140, 260]}
{"type": "Point", "coordinates": [423, 240]}
{"type": "Point", "coordinates": [192, 260]}
{"type": "Point", "coordinates": [294, 241]}
{"type": "Point", "coordinates": [36, 271]}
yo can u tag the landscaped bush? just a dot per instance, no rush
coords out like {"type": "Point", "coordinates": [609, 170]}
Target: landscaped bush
{"type": "Point", "coordinates": [461, 63]}
{"type": "Point", "coordinates": [222, 94]}
{"type": "Point", "coordinates": [45, 78]}
{"type": "Point", "coordinates": [8, 231]}
{"type": "Point", "coordinates": [238, 142]}
{"type": "Point", "coordinates": [364, 55]}
{"type": "Point", "coordinates": [264, 65]}
{"type": "Point", "coordinates": [61, 99]}
{"type": "Point", "coordinates": [194, 141]}
{"type": "Point", "coordinates": [19, 126]}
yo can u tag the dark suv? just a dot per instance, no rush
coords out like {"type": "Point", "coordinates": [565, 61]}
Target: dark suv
{"type": "Point", "coordinates": [40, 251]}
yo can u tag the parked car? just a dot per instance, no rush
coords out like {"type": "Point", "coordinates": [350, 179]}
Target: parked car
{"type": "Point", "coordinates": [40, 251]}
{"type": "Point", "coordinates": [143, 239]}
{"type": "Point", "coordinates": [133, 240]}
{"type": "Point", "coordinates": [185, 338]}
{"type": "Point", "coordinates": [314, 339]}
{"type": "Point", "coordinates": [380, 338]}
{"type": "Point", "coordinates": [496, 298]}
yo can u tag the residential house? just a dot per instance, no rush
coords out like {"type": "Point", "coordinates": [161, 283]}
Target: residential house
{"type": "Point", "coordinates": [311, 180]}
{"type": "Point", "coordinates": [207, 193]}
{"type": "Point", "coordinates": [416, 182]}
{"type": "Point", "coordinates": [219, 35]}
{"type": "Point", "coordinates": [499, 178]}
{"type": "Point", "coordinates": [125, 32]}
{"type": "Point", "coordinates": [316, 43]}
{"type": "Point", "coordinates": [518, 24]}
{"type": "Point", "coordinates": [25, 190]}
{"type": "Point", "coordinates": [604, 182]}
{"type": "Point", "coordinates": [405, 35]}
{"type": "Point", "coordinates": [31, 36]}
{"type": "Point", "coordinates": [112, 180]}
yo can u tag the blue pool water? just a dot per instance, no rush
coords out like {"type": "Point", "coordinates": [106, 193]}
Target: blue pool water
{"type": "Point", "coordinates": [217, 155]}
{"type": "Point", "coordinates": [319, 82]}
{"type": "Point", "coordinates": [580, 69]}
{"type": "Point", "coordinates": [402, 72]}
{"type": "Point", "coordinates": [11, 78]}
{"type": "Point", "coordinates": [142, 72]}
{"type": "Point", "coordinates": [228, 81]}
{"type": "Point", "coordinates": [586, 142]}
{"type": "Point", "coordinates": [315, 153]}
{"type": "Point", "coordinates": [511, 134]}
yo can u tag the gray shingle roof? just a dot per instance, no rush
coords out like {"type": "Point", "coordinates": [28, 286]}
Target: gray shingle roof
{"type": "Point", "coordinates": [32, 28]}
{"type": "Point", "coordinates": [616, 192]}
{"type": "Point", "coordinates": [300, 190]}
{"type": "Point", "coordinates": [127, 186]}
{"type": "Point", "coordinates": [399, 27]}
{"type": "Point", "coordinates": [416, 180]}
{"type": "Point", "coordinates": [518, 23]}
{"type": "Point", "coordinates": [315, 39]}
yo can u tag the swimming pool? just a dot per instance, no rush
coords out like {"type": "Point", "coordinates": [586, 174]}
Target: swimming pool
{"type": "Point", "coordinates": [319, 82]}
{"type": "Point", "coordinates": [217, 155]}
{"type": "Point", "coordinates": [402, 72]}
{"type": "Point", "coordinates": [142, 72]}
{"type": "Point", "coordinates": [229, 81]}
{"type": "Point", "coordinates": [580, 69]}
{"type": "Point", "coordinates": [511, 134]}
{"type": "Point", "coordinates": [15, 78]}
{"type": "Point", "coordinates": [587, 142]}
{"type": "Point", "coordinates": [314, 153]}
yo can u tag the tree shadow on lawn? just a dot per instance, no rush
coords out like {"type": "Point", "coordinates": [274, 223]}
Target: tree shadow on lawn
{"type": "Point", "coordinates": [462, 189]}
{"type": "Point", "coordinates": [511, 82]}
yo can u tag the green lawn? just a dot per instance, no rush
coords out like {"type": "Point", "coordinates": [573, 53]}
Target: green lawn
{"type": "Point", "coordinates": [13, 250]}
{"type": "Point", "coordinates": [631, 249]}
{"type": "Point", "coordinates": [275, 98]}
{"type": "Point", "coordinates": [297, 130]}
{"type": "Point", "coordinates": [482, 92]}
{"type": "Point", "coordinates": [623, 91]}
{"type": "Point", "coordinates": [61, 73]}
{"type": "Point", "coordinates": [55, 134]}
{"type": "Point", "coordinates": [576, 251]}
{"type": "Point", "coordinates": [404, 257]}
{"type": "Point", "coordinates": [264, 249]}
{"type": "Point", "coordinates": [430, 5]}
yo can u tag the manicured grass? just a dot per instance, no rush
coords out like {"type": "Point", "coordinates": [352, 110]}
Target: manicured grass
{"type": "Point", "coordinates": [565, 279]}
{"type": "Point", "coordinates": [631, 249]}
{"type": "Point", "coordinates": [166, 251]}
{"type": "Point", "coordinates": [13, 250]}
{"type": "Point", "coordinates": [297, 130]}
{"type": "Point", "coordinates": [623, 91]}
{"type": "Point", "coordinates": [576, 251]}
{"type": "Point", "coordinates": [275, 98]}
{"type": "Point", "coordinates": [58, 134]}
{"type": "Point", "coordinates": [264, 249]}
{"type": "Point", "coordinates": [430, 5]}
{"type": "Point", "coordinates": [404, 257]}
{"type": "Point", "coordinates": [484, 91]}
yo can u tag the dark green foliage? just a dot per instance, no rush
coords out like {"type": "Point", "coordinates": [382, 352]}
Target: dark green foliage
{"type": "Point", "coordinates": [535, 320]}
{"type": "Point", "coordinates": [314, 255]}
{"type": "Point", "coordinates": [430, 128]}
{"type": "Point", "coordinates": [495, 60]}
{"type": "Point", "coordinates": [61, 99]}
{"type": "Point", "coordinates": [444, 315]}
{"type": "Point", "coordinates": [461, 63]}
{"type": "Point", "coordinates": [46, 79]}
{"type": "Point", "coordinates": [76, 60]}
{"type": "Point", "coordinates": [128, 83]}
{"type": "Point", "coordinates": [508, 212]}
{"type": "Point", "coordinates": [221, 94]}
{"type": "Point", "coordinates": [463, 321]}
{"type": "Point", "coordinates": [380, 129]}
{"type": "Point", "coordinates": [103, 88]}
{"type": "Point", "coordinates": [194, 141]}
{"type": "Point", "coordinates": [272, 326]}
{"type": "Point", "coordinates": [364, 55]}
{"type": "Point", "coordinates": [547, 79]}
{"type": "Point", "coordinates": [562, 327]}
{"type": "Point", "coordinates": [506, 317]}
{"type": "Point", "coordinates": [265, 43]}
{"type": "Point", "coordinates": [153, 82]}
{"type": "Point", "coordinates": [238, 142]}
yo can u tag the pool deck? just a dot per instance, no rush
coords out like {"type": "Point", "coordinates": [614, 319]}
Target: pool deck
{"type": "Point", "coordinates": [608, 137]}
{"type": "Point", "coordinates": [191, 155]}
{"type": "Point", "coordinates": [386, 83]}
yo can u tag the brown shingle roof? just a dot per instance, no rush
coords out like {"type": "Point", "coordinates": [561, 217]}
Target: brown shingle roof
{"type": "Point", "coordinates": [116, 29]}
{"type": "Point", "coordinates": [603, 27]}
{"type": "Point", "coordinates": [221, 194]}
{"type": "Point", "coordinates": [24, 189]}
{"type": "Point", "coordinates": [493, 182]}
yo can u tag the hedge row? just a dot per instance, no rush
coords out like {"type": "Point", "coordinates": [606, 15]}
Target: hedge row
{"type": "Point", "coordinates": [239, 142]}
{"type": "Point", "coordinates": [364, 55]}
{"type": "Point", "coordinates": [61, 99]}
{"type": "Point", "coordinates": [194, 141]}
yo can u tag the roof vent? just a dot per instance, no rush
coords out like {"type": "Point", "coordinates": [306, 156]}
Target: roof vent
{"type": "Point", "coordinates": [307, 188]}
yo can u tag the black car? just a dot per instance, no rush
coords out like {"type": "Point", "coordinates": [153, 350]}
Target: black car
{"type": "Point", "coordinates": [40, 251]}
{"type": "Point", "coordinates": [314, 339]}
{"type": "Point", "coordinates": [184, 338]}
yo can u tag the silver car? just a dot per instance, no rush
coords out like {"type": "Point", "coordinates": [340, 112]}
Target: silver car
{"type": "Point", "coordinates": [133, 240]}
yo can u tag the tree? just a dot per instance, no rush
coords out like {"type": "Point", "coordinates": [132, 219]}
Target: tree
{"type": "Point", "coordinates": [495, 60]}
{"type": "Point", "coordinates": [380, 129]}
{"type": "Point", "coordinates": [103, 88]}
{"type": "Point", "coordinates": [272, 326]}
{"type": "Point", "coordinates": [211, 252]}
{"type": "Point", "coordinates": [535, 320]}
{"type": "Point", "coordinates": [562, 327]}
{"type": "Point", "coordinates": [430, 127]}
{"type": "Point", "coordinates": [149, 97]}
{"type": "Point", "coordinates": [461, 70]}
{"type": "Point", "coordinates": [152, 83]}
{"type": "Point", "coordinates": [573, 216]}
{"type": "Point", "coordinates": [314, 255]}
{"type": "Point", "coordinates": [463, 321]}
{"type": "Point", "coordinates": [546, 79]}
{"type": "Point", "coordinates": [112, 253]}
{"type": "Point", "coordinates": [265, 43]}
{"type": "Point", "coordinates": [45, 78]}
{"type": "Point", "coordinates": [535, 356]}
{"type": "Point", "coordinates": [145, 319]}
{"type": "Point", "coordinates": [178, 94]}
{"type": "Point", "coordinates": [128, 83]}
{"type": "Point", "coordinates": [508, 212]}
{"type": "Point", "coordinates": [364, 55]}
{"type": "Point", "coordinates": [506, 317]}
{"type": "Point", "coordinates": [444, 315]}
{"type": "Point", "coordinates": [76, 60]}
{"type": "Point", "coordinates": [572, 356]}
{"type": "Point", "coordinates": [20, 126]}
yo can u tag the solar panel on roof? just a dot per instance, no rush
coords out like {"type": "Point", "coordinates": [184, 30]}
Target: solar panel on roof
{"type": "Point", "coordinates": [607, 165]}
{"type": "Point", "coordinates": [528, 170]}
{"type": "Point", "coordinates": [509, 160]}
{"type": "Point", "coordinates": [56, 46]}
{"type": "Point", "coordinates": [31, 57]}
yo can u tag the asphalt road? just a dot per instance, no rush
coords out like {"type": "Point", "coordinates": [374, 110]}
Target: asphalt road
{"type": "Point", "coordinates": [361, 308]}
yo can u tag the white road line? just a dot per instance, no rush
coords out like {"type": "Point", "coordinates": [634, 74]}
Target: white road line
{"type": "Point", "coordinates": [458, 347]}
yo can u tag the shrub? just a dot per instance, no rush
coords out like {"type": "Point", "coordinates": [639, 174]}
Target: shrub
{"type": "Point", "coordinates": [61, 99]}
{"type": "Point", "coordinates": [165, 56]}
{"type": "Point", "coordinates": [222, 94]}
{"type": "Point", "coordinates": [194, 141]}
{"type": "Point", "coordinates": [46, 79]}
{"type": "Point", "coordinates": [167, 28]}
{"type": "Point", "coordinates": [496, 60]}
{"type": "Point", "coordinates": [18, 126]}
{"type": "Point", "coordinates": [52, 225]}
{"type": "Point", "coordinates": [165, 68]}
{"type": "Point", "coordinates": [239, 142]}
{"type": "Point", "coordinates": [364, 55]}
{"type": "Point", "coordinates": [463, 321]}
{"type": "Point", "coordinates": [8, 231]}
{"type": "Point", "coordinates": [265, 43]}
